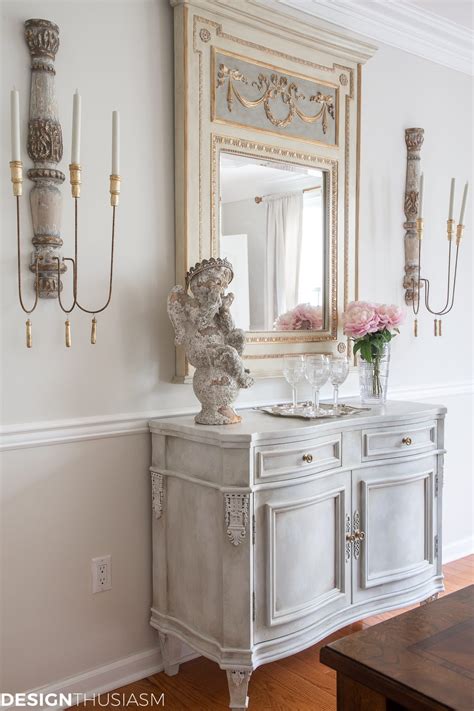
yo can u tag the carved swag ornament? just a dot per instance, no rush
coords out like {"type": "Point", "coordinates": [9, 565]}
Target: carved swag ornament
{"type": "Point", "coordinates": [275, 87]}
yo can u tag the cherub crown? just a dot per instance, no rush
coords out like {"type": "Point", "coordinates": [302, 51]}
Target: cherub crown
{"type": "Point", "coordinates": [211, 263]}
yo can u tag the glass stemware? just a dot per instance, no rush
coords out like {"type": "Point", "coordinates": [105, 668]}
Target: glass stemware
{"type": "Point", "coordinates": [317, 373]}
{"type": "Point", "coordinates": [338, 372]}
{"type": "Point", "coordinates": [293, 370]}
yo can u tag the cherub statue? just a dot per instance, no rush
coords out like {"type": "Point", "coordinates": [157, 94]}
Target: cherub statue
{"type": "Point", "coordinates": [204, 325]}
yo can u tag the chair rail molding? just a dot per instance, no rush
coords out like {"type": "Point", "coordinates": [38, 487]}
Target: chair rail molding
{"type": "Point", "coordinates": [399, 24]}
{"type": "Point", "coordinates": [43, 434]}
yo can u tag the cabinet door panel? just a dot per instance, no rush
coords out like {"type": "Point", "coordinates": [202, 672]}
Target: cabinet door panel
{"type": "Point", "coordinates": [302, 571]}
{"type": "Point", "coordinates": [398, 517]}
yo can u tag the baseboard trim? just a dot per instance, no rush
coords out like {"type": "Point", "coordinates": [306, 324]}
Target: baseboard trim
{"type": "Point", "coordinates": [41, 434]}
{"type": "Point", "coordinates": [110, 677]}
{"type": "Point", "coordinates": [458, 549]}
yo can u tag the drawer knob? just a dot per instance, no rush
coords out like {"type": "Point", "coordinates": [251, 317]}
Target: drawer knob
{"type": "Point", "coordinates": [359, 535]}
{"type": "Point", "coordinates": [308, 458]}
{"type": "Point", "coordinates": [407, 441]}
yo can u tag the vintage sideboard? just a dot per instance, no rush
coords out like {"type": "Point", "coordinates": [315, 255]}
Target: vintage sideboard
{"type": "Point", "coordinates": [270, 534]}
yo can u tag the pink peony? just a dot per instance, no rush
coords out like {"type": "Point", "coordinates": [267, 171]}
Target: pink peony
{"type": "Point", "coordinates": [303, 317]}
{"type": "Point", "coordinates": [360, 318]}
{"type": "Point", "coordinates": [390, 316]}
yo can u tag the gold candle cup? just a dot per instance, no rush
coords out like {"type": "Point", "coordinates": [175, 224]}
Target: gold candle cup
{"type": "Point", "coordinates": [114, 190]}
{"type": "Point", "coordinates": [75, 179]}
{"type": "Point", "coordinates": [450, 229]}
{"type": "Point", "coordinates": [16, 173]}
{"type": "Point", "coordinates": [459, 234]}
{"type": "Point", "coordinates": [420, 227]}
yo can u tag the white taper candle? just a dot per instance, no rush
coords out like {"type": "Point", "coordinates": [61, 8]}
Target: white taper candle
{"type": "Point", "coordinates": [464, 202]}
{"type": "Point", "coordinates": [76, 129]}
{"type": "Point", "coordinates": [451, 199]}
{"type": "Point", "coordinates": [420, 204]}
{"type": "Point", "coordinates": [15, 123]}
{"type": "Point", "coordinates": [115, 143]}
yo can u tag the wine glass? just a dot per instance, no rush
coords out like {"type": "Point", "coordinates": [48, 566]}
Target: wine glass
{"type": "Point", "coordinates": [293, 370]}
{"type": "Point", "coordinates": [317, 373]}
{"type": "Point", "coordinates": [338, 372]}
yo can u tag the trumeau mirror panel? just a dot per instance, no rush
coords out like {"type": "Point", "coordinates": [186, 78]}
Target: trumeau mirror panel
{"type": "Point", "coordinates": [263, 97]}
{"type": "Point", "coordinates": [267, 146]}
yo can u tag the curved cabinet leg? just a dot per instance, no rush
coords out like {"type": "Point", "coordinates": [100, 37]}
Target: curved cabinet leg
{"type": "Point", "coordinates": [170, 649]}
{"type": "Point", "coordinates": [238, 682]}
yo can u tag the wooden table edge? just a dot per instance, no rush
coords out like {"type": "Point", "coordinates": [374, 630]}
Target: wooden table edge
{"type": "Point", "coordinates": [394, 690]}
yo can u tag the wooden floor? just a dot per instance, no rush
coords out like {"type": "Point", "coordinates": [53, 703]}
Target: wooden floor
{"type": "Point", "coordinates": [297, 683]}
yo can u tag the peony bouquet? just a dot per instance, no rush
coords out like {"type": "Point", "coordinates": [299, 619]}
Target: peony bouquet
{"type": "Point", "coordinates": [304, 317]}
{"type": "Point", "coordinates": [372, 327]}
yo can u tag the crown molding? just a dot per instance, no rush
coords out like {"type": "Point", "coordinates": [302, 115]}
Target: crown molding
{"type": "Point", "coordinates": [284, 23]}
{"type": "Point", "coordinates": [399, 24]}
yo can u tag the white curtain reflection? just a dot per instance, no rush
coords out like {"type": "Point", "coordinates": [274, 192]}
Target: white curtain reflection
{"type": "Point", "coordinates": [283, 253]}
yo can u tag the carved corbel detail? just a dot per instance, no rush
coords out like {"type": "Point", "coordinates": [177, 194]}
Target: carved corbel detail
{"type": "Point", "coordinates": [157, 493]}
{"type": "Point", "coordinates": [236, 516]}
{"type": "Point", "coordinates": [414, 141]}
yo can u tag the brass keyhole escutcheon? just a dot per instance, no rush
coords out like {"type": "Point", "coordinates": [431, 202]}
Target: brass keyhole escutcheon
{"type": "Point", "coordinates": [308, 458]}
{"type": "Point", "coordinates": [407, 441]}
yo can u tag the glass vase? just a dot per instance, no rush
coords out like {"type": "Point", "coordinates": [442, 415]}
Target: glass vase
{"type": "Point", "coordinates": [373, 378]}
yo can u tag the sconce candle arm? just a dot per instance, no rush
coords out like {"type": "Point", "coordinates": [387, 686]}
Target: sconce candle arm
{"type": "Point", "coordinates": [27, 311]}
{"type": "Point", "coordinates": [112, 249]}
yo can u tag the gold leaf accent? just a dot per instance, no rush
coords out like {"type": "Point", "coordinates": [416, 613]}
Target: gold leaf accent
{"type": "Point", "coordinates": [272, 87]}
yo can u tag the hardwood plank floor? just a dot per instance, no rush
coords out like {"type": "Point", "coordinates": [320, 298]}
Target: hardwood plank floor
{"type": "Point", "coordinates": [297, 683]}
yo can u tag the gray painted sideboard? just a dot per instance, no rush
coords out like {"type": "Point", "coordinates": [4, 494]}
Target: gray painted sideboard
{"type": "Point", "coordinates": [270, 534]}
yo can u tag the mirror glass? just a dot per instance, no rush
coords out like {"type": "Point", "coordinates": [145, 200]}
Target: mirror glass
{"type": "Point", "coordinates": [273, 228]}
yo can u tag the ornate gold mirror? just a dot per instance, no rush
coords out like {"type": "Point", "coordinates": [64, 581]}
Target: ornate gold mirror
{"type": "Point", "coordinates": [267, 148]}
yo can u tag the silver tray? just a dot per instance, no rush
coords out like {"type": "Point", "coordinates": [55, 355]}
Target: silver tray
{"type": "Point", "coordinates": [302, 411]}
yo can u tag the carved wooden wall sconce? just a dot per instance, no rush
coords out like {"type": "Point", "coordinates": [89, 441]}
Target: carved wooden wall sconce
{"type": "Point", "coordinates": [414, 226]}
{"type": "Point", "coordinates": [45, 149]}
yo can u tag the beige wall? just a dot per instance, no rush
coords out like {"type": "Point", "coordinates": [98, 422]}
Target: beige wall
{"type": "Point", "coordinates": [64, 504]}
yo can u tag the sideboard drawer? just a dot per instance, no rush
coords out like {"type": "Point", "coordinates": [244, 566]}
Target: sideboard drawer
{"type": "Point", "coordinates": [398, 441]}
{"type": "Point", "coordinates": [276, 462]}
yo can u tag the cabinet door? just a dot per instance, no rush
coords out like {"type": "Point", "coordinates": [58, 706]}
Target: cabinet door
{"type": "Point", "coordinates": [302, 566]}
{"type": "Point", "coordinates": [394, 508]}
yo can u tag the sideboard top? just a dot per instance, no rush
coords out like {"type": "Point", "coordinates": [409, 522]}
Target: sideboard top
{"type": "Point", "coordinates": [258, 425]}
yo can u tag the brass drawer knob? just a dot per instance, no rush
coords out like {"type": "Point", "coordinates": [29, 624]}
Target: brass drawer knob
{"type": "Point", "coordinates": [350, 537]}
{"type": "Point", "coordinates": [359, 535]}
{"type": "Point", "coordinates": [308, 458]}
{"type": "Point", "coordinates": [407, 441]}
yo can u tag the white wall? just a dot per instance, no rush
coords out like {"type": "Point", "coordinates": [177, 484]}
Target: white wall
{"type": "Point", "coordinates": [67, 503]}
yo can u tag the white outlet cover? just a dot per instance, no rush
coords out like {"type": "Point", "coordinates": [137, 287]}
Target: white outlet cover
{"type": "Point", "coordinates": [101, 573]}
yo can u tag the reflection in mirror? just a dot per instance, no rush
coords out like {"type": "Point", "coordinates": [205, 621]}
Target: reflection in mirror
{"type": "Point", "coordinates": [273, 230]}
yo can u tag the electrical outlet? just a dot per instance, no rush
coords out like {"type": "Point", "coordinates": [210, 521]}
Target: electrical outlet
{"type": "Point", "coordinates": [101, 573]}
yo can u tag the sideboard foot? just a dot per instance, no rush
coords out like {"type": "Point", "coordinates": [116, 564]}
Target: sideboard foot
{"type": "Point", "coordinates": [431, 598]}
{"type": "Point", "coordinates": [238, 682]}
{"type": "Point", "coordinates": [170, 650]}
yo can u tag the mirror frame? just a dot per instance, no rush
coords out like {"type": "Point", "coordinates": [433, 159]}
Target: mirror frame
{"type": "Point", "coordinates": [261, 36]}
